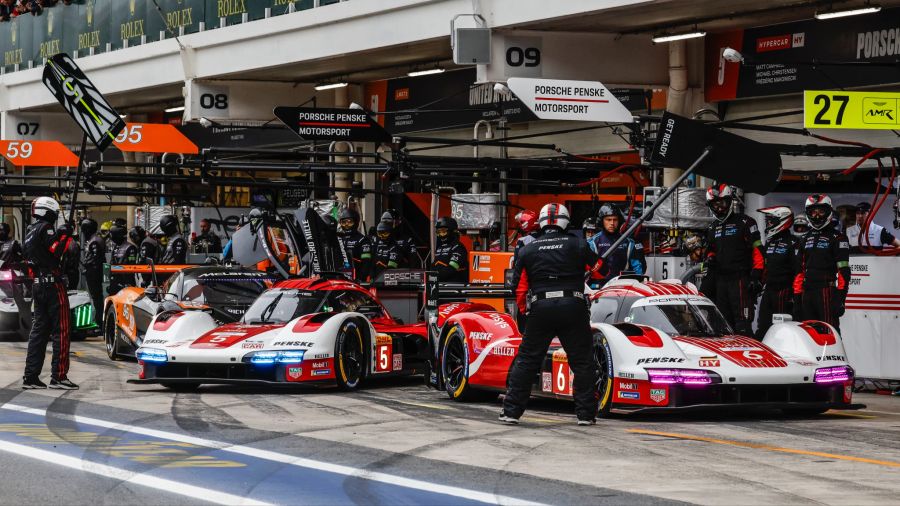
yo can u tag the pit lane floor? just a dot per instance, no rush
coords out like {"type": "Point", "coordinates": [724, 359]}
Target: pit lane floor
{"type": "Point", "coordinates": [399, 443]}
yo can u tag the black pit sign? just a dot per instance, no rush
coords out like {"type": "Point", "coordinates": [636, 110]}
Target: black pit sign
{"type": "Point", "coordinates": [332, 124]}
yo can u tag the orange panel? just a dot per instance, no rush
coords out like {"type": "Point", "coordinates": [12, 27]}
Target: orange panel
{"type": "Point", "coordinates": [154, 138]}
{"type": "Point", "coordinates": [38, 154]}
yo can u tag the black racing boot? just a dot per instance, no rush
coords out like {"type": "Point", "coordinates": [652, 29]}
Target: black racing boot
{"type": "Point", "coordinates": [63, 384]}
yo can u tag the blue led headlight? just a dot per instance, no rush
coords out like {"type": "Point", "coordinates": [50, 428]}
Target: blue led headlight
{"type": "Point", "coordinates": [290, 356]}
{"type": "Point", "coordinates": [263, 357]}
{"type": "Point", "coordinates": [152, 355]}
{"type": "Point", "coordinates": [272, 357]}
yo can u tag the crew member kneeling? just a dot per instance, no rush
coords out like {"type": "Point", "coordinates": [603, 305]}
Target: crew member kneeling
{"type": "Point", "coordinates": [550, 272]}
{"type": "Point", "coordinates": [43, 248]}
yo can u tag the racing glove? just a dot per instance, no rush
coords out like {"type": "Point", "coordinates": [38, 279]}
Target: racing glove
{"type": "Point", "coordinates": [756, 286]}
{"type": "Point", "coordinates": [838, 301]}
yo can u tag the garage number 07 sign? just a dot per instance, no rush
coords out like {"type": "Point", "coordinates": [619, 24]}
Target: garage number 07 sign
{"type": "Point", "coordinates": [859, 110]}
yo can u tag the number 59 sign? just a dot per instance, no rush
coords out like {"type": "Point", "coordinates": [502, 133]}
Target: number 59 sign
{"type": "Point", "coordinates": [38, 154]}
{"type": "Point", "coordinates": [861, 110]}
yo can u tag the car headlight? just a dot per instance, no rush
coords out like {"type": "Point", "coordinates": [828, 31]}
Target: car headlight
{"type": "Point", "coordinates": [152, 355]}
{"type": "Point", "coordinates": [837, 374]}
{"type": "Point", "coordinates": [83, 315]}
{"type": "Point", "coordinates": [683, 376]}
{"type": "Point", "coordinates": [272, 357]}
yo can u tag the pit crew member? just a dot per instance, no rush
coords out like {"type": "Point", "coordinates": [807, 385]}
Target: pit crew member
{"type": "Point", "coordinates": [409, 255]}
{"type": "Point", "coordinates": [357, 246]}
{"type": "Point", "coordinates": [735, 259]}
{"type": "Point", "coordinates": [387, 252]}
{"type": "Point", "coordinates": [781, 267]}
{"type": "Point", "coordinates": [550, 273]}
{"type": "Point", "coordinates": [43, 247]}
{"type": "Point", "coordinates": [176, 246]}
{"type": "Point", "coordinates": [451, 259]}
{"type": "Point", "coordinates": [93, 256]}
{"type": "Point", "coordinates": [10, 250]}
{"type": "Point", "coordinates": [625, 257]}
{"type": "Point", "coordinates": [824, 275]}
{"type": "Point", "coordinates": [207, 242]}
{"type": "Point", "coordinates": [124, 254]}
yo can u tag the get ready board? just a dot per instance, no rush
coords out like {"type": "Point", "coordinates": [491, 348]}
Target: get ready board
{"type": "Point", "coordinates": [860, 110]}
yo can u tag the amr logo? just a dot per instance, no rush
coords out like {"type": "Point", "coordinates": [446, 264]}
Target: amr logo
{"type": "Point", "coordinates": [881, 112]}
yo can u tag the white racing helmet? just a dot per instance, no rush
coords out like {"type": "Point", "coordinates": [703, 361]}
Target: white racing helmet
{"type": "Point", "coordinates": [778, 219]}
{"type": "Point", "coordinates": [45, 208]}
{"type": "Point", "coordinates": [555, 215]}
{"type": "Point", "coordinates": [819, 210]}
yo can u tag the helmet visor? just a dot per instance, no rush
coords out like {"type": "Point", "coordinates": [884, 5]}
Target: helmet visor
{"type": "Point", "coordinates": [442, 232]}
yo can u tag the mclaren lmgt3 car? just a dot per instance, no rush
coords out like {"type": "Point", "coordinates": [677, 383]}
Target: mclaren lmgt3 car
{"type": "Point", "coordinates": [222, 293]}
{"type": "Point", "coordinates": [662, 347]}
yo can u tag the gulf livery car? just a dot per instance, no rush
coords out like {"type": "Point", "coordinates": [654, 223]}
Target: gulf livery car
{"type": "Point", "coordinates": [665, 347]}
{"type": "Point", "coordinates": [223, 292]}
{"type": "Point", "coordinates": [314, 331]}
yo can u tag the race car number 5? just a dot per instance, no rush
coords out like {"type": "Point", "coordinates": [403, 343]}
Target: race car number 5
{"type": "Point", "coordinates": [19, 150]}
{"type": "Point", "coordinates": [749, 355]}
{"type": "Point", "coordinates": [384, 358]}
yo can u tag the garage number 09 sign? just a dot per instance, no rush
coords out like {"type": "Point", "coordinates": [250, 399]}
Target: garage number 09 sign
{"type": "Point", "coordinates": [859, 110]}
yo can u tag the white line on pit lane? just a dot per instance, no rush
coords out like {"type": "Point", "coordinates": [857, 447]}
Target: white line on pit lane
{"type": "Point", "coordinates": [354, 472]}
{"type": "Point", "coordinates": [126, 476]}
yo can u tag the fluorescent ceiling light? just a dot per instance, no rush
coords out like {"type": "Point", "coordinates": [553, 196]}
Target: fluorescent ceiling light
{"type": "Point", "coordinates": [330, 86]}
{"type": "Point", "coordinates": [678, 36]}
{"type": "Point", "coordinates": [175, 109]}
{"type": "Point", "coordinates": [869, 9]}
{"type": "Point", "coordinates": [417, 73]}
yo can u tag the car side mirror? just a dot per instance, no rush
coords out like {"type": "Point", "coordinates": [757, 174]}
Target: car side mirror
{"type": "Point", "coordinates": [152, 293]}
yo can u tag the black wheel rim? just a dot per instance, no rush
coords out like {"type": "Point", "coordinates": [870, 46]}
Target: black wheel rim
{"type": "Point", "coordinates": [454, 368]}
{"type": "Point", "coordinates": [352, 354]}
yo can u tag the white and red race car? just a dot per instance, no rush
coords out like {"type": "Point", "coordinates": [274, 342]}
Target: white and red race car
{"type": "Point", "coordinates": [311, 331]}
{"type": "Point", "coordinates": [661, 347]}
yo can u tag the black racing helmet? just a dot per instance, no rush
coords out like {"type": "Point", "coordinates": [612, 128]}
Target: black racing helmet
{"type": "Point", "coordinates": [348, 219]}
{"type": "Point", "coordinates": [168, 224]}
{"type": "Point", "coordinates": [88, 227]}
{"type": "Point", "coordinates": [384, 229]}
{"type": "Point", "coordinates": [118, 234]}
{"type": "Point", "coordinates": [590, 225]}
{"type": "Point", "coordinates": [137, 234]}
{"type": "Point", "coordinates": [609, 210]}
{"type": "Point", "coordinates": [393, 216]}
{"type": "Point", "coordinates": [448, 224]}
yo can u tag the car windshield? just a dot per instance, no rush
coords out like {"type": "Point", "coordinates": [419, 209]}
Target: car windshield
{"type": "Point", "coordinates": [681, 319]}
{"type": "Point", "coordinates": [225, 290]}
{"type": "Point", "coordinates": [282, 306]}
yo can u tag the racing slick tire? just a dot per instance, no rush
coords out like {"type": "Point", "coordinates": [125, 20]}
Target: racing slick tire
{"type": "Point", "coordinates": [349, 356]}
{"type": "Point", "coordinates": [605, 375]}
{"type": "Point", "coordinates": [111, 335]}
{"type": "Point", "coordinates": [455, 367]}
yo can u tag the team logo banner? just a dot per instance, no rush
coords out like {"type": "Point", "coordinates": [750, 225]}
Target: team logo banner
{"type": "Point", "coordinates": [332, 124]}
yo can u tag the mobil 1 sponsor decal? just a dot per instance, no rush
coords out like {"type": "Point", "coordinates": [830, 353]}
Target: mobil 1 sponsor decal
{"type": "Point", "coordinates": [332, 124]}
{"type": "Point", "coordinates": [570, 100]}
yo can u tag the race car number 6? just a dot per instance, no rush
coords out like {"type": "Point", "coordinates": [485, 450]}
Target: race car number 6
{"type": "Point", "coordinates": [560, 380]}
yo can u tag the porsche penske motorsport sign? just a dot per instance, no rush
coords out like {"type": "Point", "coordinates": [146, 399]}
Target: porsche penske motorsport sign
{"type": "Point", "coordinates": [860, 110]}
{"type": "Point", "coordinates": [569, 100]}
{"type": "Point", "coordinates": [332, 124]}
{"type": "Point", "coordinates": [81, 99]}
